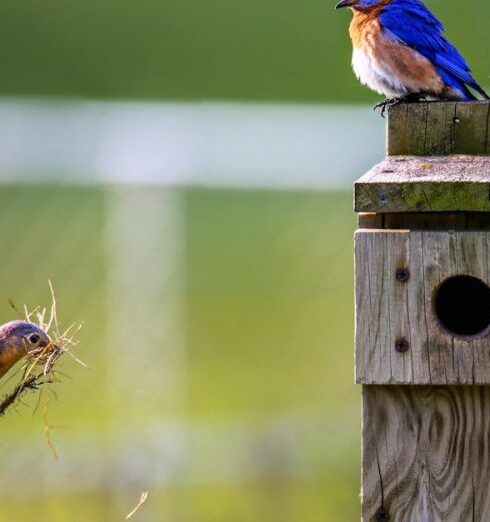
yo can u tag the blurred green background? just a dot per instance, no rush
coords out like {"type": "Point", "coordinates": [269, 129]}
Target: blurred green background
{"type": "Point", "coordinates": [218, 321]}
{"type": "Point", "coordinates": [268, 326]}
{"type": "Point", "coordinates": [189, 49]}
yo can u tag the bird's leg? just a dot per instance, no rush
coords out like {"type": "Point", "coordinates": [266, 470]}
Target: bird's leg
{"type": "Point", "coordinates": [387, 104]}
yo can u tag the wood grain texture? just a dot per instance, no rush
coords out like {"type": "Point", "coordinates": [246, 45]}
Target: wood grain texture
{"type": "Point", "coordinates": [426, 453]}
{"type": "Point", "coordinates": [427, 184]}
{"type": "Point", "coordinates": [439, 128]}
{"type": "Point", "coordinates": [388, 310]}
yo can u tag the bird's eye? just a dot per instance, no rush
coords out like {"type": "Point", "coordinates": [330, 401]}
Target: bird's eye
{"type": "Point", "coordinates": [33, 338]}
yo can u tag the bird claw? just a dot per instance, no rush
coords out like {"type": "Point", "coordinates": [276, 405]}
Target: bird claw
{"type": "Point", "coordinates": [387, 104]}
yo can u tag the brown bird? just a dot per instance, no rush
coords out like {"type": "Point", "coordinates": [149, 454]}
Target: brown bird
{"type": "Point", "coordinates": [17, 338]}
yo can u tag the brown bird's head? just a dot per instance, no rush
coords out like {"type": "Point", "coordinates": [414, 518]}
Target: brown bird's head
{"type": "Point", "coordinates": [17, 338]}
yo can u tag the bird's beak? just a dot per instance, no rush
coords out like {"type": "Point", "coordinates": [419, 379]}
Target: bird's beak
{"type": "Point", "coordinates": [345, 3]}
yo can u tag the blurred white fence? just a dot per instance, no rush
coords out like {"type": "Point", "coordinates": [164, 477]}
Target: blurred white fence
{"type": "Point", "coordinates": [205, 144]}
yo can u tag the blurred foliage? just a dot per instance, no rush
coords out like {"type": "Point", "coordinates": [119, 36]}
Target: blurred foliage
{"type": "Point", "coordinates": [270, 281]}
{"type": "Point", "coordinates": [189, 49]}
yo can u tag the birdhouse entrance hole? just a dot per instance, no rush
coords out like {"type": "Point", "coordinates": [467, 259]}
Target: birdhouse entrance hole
{"type": "Point", "coordinates": [462, 305]}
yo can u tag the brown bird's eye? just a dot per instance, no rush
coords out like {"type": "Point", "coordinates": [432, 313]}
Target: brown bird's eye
{"type": "Point", "coordinates": [34, 338]}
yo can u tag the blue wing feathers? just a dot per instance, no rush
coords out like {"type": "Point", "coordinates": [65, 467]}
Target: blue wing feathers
{"type": "Point", "coordinates": [411, 23]}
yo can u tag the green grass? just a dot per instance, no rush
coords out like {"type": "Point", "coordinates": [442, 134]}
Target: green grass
{"type": "Point", "coordinates": [319, 501]}
{"type": "Point", "coordinates": [269, 335]}
{"type": "Point", "coordinates": [190, 49]}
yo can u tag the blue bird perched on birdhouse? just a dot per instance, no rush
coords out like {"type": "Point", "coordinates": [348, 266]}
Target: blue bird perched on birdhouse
{"type": "Point", "coordinates": [400, 51]}
{"type": "Point", "coordinates": [17, 339]}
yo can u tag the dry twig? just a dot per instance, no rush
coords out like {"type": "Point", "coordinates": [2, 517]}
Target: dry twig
{"type": "Point", "coordinates": [141, 501]}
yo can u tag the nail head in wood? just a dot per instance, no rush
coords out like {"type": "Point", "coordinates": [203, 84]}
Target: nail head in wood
{"type": "Point", "coordinates": [402, 275]}
{"type": "Point", "coordinates": [401, 345]}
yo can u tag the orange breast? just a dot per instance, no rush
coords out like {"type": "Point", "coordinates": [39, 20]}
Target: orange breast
{"type": "Point", "coordinates": [364, 27]}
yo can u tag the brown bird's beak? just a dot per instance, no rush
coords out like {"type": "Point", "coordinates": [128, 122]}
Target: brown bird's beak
{"type": "Point", "coordinates": [345, 3]}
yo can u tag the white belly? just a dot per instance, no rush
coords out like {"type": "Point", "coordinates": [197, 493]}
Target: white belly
{"type": "Point", "coordinates": [371, 73]}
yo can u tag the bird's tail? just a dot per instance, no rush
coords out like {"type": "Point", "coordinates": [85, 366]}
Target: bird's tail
{"type": "Point", "coordinates": [479, 90]}
{"type": "Point", "coordinates": [469, 96]}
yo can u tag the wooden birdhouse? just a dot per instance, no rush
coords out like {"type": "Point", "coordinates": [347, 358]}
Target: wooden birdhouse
{"type": "Point", "coordinates": [422, 254]}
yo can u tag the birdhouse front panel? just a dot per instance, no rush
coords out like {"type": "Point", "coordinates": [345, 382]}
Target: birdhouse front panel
{"type": "Point", "coordinates": [422, 307]}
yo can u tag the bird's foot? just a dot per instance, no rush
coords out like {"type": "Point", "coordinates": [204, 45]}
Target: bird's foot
{"type": "Point", "coordinates": [387, 104]}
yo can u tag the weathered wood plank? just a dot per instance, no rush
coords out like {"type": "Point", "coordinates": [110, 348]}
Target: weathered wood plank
{"type": "Point", "coordinates": [471, 128]}
{"type": "Point", "coordinates": [428, 184]}
{"type": "Point", "coordinates": [390, 309]}
{"type": "Point", "coordinates": [438, 128]}
{"type": "Point", "coordinates": [426, 453]}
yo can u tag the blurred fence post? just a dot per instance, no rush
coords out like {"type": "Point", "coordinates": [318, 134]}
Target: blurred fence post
{"type": "Point", "coordinates": [423, 316]}
{"type": "Point", "coordinates": [146, 344]}
{"type": "Point", "coordinates": [146, 248]}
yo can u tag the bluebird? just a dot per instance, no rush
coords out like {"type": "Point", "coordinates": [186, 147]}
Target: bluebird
{"type": "Point", "coordinates": [400, 51]}
{"type": "Point", "coordinates": [17, 338]}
